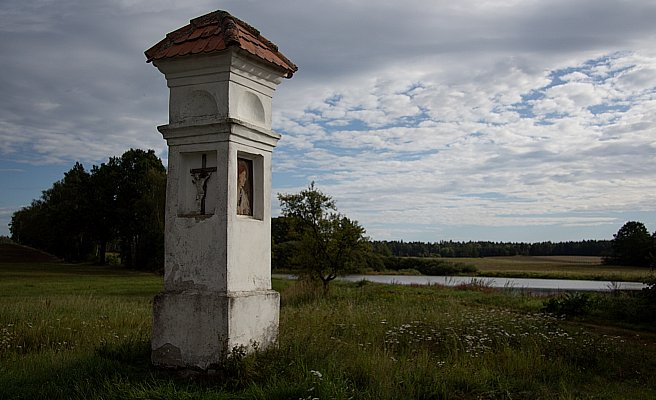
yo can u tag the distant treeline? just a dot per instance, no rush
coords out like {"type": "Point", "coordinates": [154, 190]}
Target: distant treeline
{"type": "Point", "coordinates": [397, 248]}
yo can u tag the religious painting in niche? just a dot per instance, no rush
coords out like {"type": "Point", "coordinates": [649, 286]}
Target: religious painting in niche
{"type": "Point", "coordinates": [244, 187]}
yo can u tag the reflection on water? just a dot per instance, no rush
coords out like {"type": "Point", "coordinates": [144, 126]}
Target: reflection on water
{"type": "Point", "coordinates": [514, 283]}
{"type": "Point", "coordinates": [510, 283]}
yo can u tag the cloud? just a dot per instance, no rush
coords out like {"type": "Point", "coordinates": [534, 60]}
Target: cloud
{"type": "Point", "coordinates": [449, 139]}
{"type": "Point", "coordinates": [76, 87]}
{"type": "Point", "coordinates": [416, 117]}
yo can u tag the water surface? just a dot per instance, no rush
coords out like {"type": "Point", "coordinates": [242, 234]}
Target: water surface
{"type": "Point", "coordinates": [514, 283]}
{"type": "Point", "coordinates": [509, 283]}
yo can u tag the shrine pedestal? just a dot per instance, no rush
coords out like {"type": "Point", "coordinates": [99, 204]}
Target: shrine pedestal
{"type": "Point", "coordinates": [199, 329]}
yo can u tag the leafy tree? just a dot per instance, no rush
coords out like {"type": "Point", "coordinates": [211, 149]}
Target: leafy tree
{"type": "Point", "coordinates": [140, 202]}
{"type": "Point", "coordinates": [381, 248]}
{"type": "Point", "coordinates": [283, 243]}
{"type": "Point", "coordinates": [631, 245]}
{"type": "Point", "coordinates": [122, 200]}
{"type": "Point", "coordinates": [326, 243]}
{"type": "Point", "coordinates": [652, 253]}
{"type": "Point", "coordinates": [104, 184]}
{"type": "Point", "coordinates": [28, 226]}
{"type": "Point", "coordinates": [58, 222]}
{"type": "Point", "coordinates": [70, 210]}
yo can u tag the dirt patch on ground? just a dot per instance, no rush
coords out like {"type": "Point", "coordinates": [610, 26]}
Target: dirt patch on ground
{"type": "Point", "coordinates": [15, 253]}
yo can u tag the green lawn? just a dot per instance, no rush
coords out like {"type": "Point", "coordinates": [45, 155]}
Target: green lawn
{"type": "Point", "coordinates": [82, 332]}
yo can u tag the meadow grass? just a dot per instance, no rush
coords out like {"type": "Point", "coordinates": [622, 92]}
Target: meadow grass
{"type": "Point", "coordinates": [82, 332]}
{"type": "Point", "coordinates": [554, 267]}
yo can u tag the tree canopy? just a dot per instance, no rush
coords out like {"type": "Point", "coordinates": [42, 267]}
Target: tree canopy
{"type": "Point", "coordinates": [633, 245]}
{"type": "Point", "coordinates": [120, 202]}
{"type": "Point", "coordinates": [324, 242]}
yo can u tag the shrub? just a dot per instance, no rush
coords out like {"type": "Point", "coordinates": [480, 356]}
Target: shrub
{"type": "Point", "coordinates": [427, 266]}
{"type": "Point", "coordinates": [570, 304]}
{"type": "Point", "coordinates": [624, 308]}
{"type": "Point", "coordinates": [650, 291]}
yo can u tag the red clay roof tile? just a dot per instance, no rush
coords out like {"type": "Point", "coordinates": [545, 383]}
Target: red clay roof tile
{"type": "Point", "coordinates": [199, 45]}
{"type": "Point", "coordinates": [216, 42]}
{"type": "Point", "coordinates": [173, 51]}
{"type": "Point", "coordinates": [185, 48]}
{"type": "Point", "coordinates": [215, 32]}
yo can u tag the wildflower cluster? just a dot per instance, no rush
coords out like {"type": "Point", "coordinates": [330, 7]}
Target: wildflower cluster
{"type": "Point", "coordinates": [316, 377]}
{"type": "Point", "coordinates": [413, 333]}
{"type": "Point", "coordinates": [7, 337]}
{"type": "Point", "coordinates": [480, 332]}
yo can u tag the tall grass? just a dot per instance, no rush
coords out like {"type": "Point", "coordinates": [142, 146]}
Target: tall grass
{"type": "Point", "coordinates": [553, 267]}
{"type": "Point", "coordinates": [361, 341]}
{"type": "Point", "coordinates": [387, 343]}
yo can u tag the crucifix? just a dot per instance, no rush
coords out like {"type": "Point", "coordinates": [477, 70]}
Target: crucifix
{"type": "Point", "coordinates": [199, 177]}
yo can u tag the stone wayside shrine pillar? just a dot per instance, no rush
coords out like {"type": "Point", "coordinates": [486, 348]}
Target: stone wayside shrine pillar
{"type": "Point", "coordinates": [217, 279]}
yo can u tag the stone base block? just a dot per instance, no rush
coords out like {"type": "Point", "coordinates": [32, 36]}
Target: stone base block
{"type": "Point", "coordinates": [198, 329]}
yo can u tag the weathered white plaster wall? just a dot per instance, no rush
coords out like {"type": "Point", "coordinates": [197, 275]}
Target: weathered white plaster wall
{"type": "Point", "coordinates": [239, 88]}
{"type": "Point", "coordinates": [197, 329]}
{"type": "Point", "coordinates": [249, 267]}
{"type": "Point", "coordinates": [217, 277]}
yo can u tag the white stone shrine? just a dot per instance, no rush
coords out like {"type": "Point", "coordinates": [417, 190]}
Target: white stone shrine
{"type": "Point", "coordinates": [217, 280]}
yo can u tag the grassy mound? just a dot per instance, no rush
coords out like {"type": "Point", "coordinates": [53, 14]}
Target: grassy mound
{"type": "Point", "coordinates": [15, 253]}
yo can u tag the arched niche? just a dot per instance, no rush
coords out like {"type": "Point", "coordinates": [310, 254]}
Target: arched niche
{"type": "Point", "coordinates": [198, 103]}
{"type": "Point", "coordinates": [251, 108]}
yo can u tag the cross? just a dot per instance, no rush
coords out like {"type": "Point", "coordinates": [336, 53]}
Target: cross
{"type": "Point", "coordinates": [200, 176]}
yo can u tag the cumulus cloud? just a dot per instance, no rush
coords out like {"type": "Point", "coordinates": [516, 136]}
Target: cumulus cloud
{"type": "Point", "coordinates": [417, 117]}
{"type": "Point", "coordinates": [540, 143]}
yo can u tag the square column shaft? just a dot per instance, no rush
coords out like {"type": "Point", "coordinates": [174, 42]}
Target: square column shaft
{"type": "Point", "coordinates": [217, 279]}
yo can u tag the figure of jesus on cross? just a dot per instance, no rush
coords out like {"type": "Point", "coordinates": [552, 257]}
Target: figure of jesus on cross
{"type": "Point", "coordinates": [199, 177]}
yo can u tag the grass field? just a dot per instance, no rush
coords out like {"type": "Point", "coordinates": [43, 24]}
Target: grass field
{"type": "Point", "coordinates": [556, 267]}
{"type": "Point", "coordinates": [82, 332]}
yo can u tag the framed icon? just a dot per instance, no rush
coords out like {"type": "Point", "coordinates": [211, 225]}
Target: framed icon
{"type": "Point", "coordinates": [244, 186]}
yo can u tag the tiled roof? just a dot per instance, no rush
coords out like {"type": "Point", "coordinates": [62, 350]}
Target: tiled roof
{"type": "Point", "coordinates": [215, 32]}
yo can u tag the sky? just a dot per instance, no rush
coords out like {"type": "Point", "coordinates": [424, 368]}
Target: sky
{"type": "Point", "coordinates": [426, 120]}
